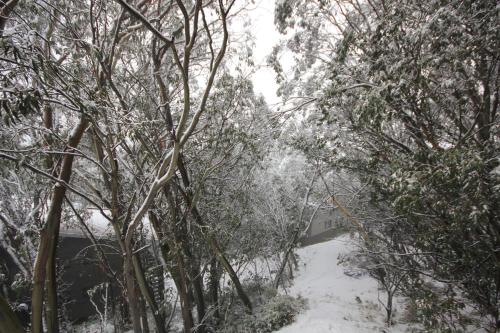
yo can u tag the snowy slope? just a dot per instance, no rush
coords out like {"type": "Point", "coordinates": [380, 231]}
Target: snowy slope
{"type": "Point", "coordinates": [331, 295]}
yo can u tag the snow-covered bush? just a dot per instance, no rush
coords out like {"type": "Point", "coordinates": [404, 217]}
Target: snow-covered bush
{"type": "Point", "coordinates": [277, 312]}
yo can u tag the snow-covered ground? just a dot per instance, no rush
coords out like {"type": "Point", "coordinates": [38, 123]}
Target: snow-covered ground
{"type": "Point", "coordinates": [337, 302]}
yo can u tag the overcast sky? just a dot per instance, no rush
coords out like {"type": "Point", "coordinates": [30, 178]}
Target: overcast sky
{"type": "Point", "coordinates": [266, 36]}
{"type": "Point", "coordinates": [261, 15]}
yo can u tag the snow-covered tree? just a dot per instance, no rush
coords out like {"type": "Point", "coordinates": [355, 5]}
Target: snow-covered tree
{"type": "Point", "coordinates": [416, 86]}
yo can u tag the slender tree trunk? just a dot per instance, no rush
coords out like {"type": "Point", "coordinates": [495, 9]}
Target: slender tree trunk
{"type": "Point", "coordinates": [144, 316]}
{"type": "Point", "coordinates": [185, 298]}
{"type": "Point", "coordinates": [180, 283]}
{"type": "Point", "coordinates": [118, 211]}
{"type": "Point", "coordinates": [290, 266]}
{"type": "Point", "coordinates": [38, 283]}
{"type": "Point", "coordinates": [50, 232]}
{"type": "Point", "coordinates": [195, 280]}
{"type": "Point", "coordinates": [176, 271]}
{"type": "Point", "coordinates": [187, 316]}
{"type": "Point", "coordinates": [133, 298]}
{"type": "Point", "coordinates": [230, 271]}
{"type": "Point", "coordinates": [289, 250]}
{"type": "Point", "coordinates": [51, 311]}
{"type": "Point", "coordinates": [388, 308]}
{"type": "Point", "coordinates": [148, 295]}
{"type": "Point", "coordinates": [214, 288]}
{"type": "Point", "coordinates": [199, 298]}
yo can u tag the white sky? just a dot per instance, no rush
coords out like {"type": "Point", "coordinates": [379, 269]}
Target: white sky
{"type": "Point", "coordinates": [266, 36]}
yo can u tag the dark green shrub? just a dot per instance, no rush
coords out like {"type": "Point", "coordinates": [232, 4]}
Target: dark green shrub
{"type": "Point", "coordinates": [270, 316]}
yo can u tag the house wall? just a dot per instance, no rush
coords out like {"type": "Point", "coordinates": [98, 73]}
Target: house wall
{"type": "Point", "coordinates": [81, 271]}
{"type": "Point", "coordinates": [327, 224]}
{"type": "Point", "coordinates": [325, 220]}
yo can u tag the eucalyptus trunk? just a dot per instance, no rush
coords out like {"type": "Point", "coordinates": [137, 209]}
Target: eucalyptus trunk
{"type": "Point", "coordinates": [48, 237]}
{"type": "Point", "coordinates": [214, 288]}
{"type": "Point", "coordinates": [51, 311]}
{"type": "Point", "coordinates": [148, 296]}
{"type": "Point", "coordinates": [132, 296]}
{"type": "Point", "coordinates": [176, 270]}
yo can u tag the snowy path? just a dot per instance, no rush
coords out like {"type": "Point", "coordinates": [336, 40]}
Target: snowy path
{"type": "Point", "coordinates": [331, 295]}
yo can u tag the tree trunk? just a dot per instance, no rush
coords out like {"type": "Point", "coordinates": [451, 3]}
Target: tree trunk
{"type": "Point", "coordinates": [50, 232]}
{"type": "Point", "coordinates": [51, 313]}
{"type": "Point", "coordinates": [38, 283]}
{"type": "Point", "coordinates": [199, 298]}
{"type": "Point", "coordinates": [185, 298]}
{"type": "Point", "coordinates": [187, 316]}
{"type": "Point", "coordinates": [118, 211]}
{"type": "Point", "coordinates": [176, 271]}
{"type": "Point", "coordinates": [214, 288]}
{"type": "Point", "coordinates": [289, 250]}
{"type": "Point", "coordinates": [144, 316]}
{"type": "Point", "coordinates": [195, 280]}
{"type": "Point", "coordinates": [133, 299]}
{"type": "Point", "coordinates": [147, 293]}
{"type": "Point", "coordinates": [388, 308]}
{"type": "Point", "coordinates": [230, 271]}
